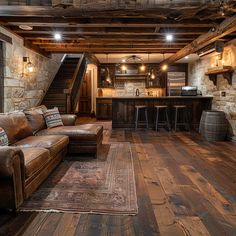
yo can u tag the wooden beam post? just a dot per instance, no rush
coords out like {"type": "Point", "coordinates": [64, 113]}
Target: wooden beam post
{"type": "Point", "coordinates": [228, 26]}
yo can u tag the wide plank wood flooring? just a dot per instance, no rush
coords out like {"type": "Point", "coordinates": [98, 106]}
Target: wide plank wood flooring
{"type": "Point", "coordinates": [185, 186]}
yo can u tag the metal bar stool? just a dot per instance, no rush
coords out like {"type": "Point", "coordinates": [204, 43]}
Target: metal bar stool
{"type": "Point", "coordinates": [137, 114]}
{"type": "Point", "coordinates": [166, 122]}
{"type": "Point", "coordinates": [186, 121]}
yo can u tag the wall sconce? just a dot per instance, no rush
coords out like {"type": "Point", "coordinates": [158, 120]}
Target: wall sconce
{"type": "Point", "coordinates": [28, 66]}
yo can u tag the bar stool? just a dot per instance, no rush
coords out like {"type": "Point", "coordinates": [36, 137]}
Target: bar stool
{"type": "Point", "coordinates": [166, 122]}
{"type": "Point", "coordinates": [137, 113]}
{"type": "Point", "coordinates": [186, 120]}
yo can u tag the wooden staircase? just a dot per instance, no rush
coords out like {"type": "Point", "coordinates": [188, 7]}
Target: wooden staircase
{"type": "Point", "coordinates": [64, 81]}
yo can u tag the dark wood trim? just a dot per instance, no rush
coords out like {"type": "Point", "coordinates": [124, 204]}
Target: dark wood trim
{"type": "Point", "coordinates": [5, 38]}
{"type": "Point", "coordinates": [1, 78]}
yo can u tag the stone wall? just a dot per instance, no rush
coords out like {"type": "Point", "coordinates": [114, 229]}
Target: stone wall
{"type": "Point", "coordinates": [23, 90]}
{"type": "Point", "coordinates": [198, 78]}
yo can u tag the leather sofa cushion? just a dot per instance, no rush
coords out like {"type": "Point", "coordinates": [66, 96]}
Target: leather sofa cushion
{"type": "Point", "coordinates": [35, 119]}
{"type": "Point", "coordinates": [88, 132]}
{"type": "Point", "coordinates": [54, 143]}
{"type": "Point", "coordinates": [15, 125]}
{"type": "Point", "coordinates": [35, 159]}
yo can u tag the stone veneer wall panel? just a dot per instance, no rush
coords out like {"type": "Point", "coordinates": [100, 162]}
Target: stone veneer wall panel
{"type": "Point", "coordinates": [24, 91]}
{"type": "Point", "coordinates": [198, 78]}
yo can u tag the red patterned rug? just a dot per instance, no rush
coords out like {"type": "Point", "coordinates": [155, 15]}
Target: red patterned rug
{"type": "Point", "coordinates": [95, 186]}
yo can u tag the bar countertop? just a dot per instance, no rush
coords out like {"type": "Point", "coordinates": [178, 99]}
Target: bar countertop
{"type": "Point", "coordinates": [161, 97]}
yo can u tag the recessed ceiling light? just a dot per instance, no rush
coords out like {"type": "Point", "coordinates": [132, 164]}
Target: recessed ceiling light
{"type": "Point", "coordinates": [25, 27]}
{"type": "Point", "coordinates": [57, 36]}
{"type": "Point", "coordinates": [169, 37]}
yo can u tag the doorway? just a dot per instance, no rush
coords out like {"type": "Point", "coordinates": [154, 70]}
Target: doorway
{"type": "Point", "coordinates": [85, 95]}
{"type": "Point", "coordinates": [1, 78]}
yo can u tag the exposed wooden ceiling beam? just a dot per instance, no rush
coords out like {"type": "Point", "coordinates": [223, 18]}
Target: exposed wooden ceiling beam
{"type": "Point", "coordinates": [227, 27]}
{"type": "Point", "coordinates": [82, 21]}
{"type": "Point", "coordinates": [79, 32]}
{"type": "Point", "coordinates": [106, 43]}
{"type": "Point", "coordinates": [110, 46]}
{"type": "Point", "coordinates": [115, 38]}
{"type": "Point", "coordinates": [111, 50]}
{"type": "Point", "coordinates": [108, 25]}
{"type": "Point", "coordinates": [111, 38]}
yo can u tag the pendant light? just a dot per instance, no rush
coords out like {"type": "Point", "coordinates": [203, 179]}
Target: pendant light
{"type": "Point", "coordinates": [108, 77]}
{"type": "Point", "coordinates": [149, 73]}
{"type": "Point", "coordinates": [164, 67]}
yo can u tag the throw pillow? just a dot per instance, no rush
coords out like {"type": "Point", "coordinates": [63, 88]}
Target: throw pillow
{"type": "Point", "coordinates": [53, 118]}
{"type": "Point", "coordinates": [35, 119]}
{"type": "Point", "coordinates": [3, 137]}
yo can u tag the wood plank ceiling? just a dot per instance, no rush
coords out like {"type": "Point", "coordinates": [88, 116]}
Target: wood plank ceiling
{"type": "Point", "coordinates": [109, 26]}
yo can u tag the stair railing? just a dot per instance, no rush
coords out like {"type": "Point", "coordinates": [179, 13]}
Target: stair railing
{"type": "Point", "coordinates": [72, 94]}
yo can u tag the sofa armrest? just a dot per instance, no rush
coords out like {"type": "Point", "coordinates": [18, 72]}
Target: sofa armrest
{"type": "Point", "coordinates": [12, 177]}
{"type": "Point", "coordinates": [68, 119]}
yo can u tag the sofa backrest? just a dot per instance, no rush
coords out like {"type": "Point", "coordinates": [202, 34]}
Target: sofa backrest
{"type": "Point", "coordinates": [15, 125]}
{"type": "Point", "coordinates": [35, 118]}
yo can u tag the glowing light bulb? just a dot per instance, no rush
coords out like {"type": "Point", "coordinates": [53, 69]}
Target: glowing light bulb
{"type": "Point", "coordinates": [30, 67]}
{"type": "Point", "coordinates": [164, 67]}
{"type": "Point", "coordinates": [142, 67]}
{"type": "Point", "coordinates": [57, 36]}
{"type": "Point", "coordinates": [169, 37]}
{"type": "Point", "coordinates": [123, 67]}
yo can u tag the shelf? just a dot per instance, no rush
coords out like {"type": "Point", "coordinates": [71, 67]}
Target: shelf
{"type": "Point", "coordinates": [130, 78]}
{"type": "Point", "coordinates": [130, 75]}
{"type": "Point", "coordinates": [226, 71]}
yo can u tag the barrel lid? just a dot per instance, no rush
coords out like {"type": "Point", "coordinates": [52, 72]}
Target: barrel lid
{"type": "Point", "coordinates": [214, 111]}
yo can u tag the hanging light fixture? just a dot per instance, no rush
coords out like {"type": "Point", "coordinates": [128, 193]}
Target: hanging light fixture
{"type": "Point", "coordinates": [149, 73]}
{"type": "Point", "coordinates": [152, 76]}
{"type": "Point", "coordinates": [108, 77]}
{"type": "Point", "coordinates": [164, 67]}
{"type": "Point", "coordinates": [29, 67]}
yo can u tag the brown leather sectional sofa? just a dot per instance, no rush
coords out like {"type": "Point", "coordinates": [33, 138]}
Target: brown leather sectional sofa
{"type": "Point", "coordinates": [34, 151]}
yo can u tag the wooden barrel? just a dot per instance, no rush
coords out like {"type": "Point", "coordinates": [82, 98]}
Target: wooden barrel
{"type": "Point", "coordinates": [213, 125]}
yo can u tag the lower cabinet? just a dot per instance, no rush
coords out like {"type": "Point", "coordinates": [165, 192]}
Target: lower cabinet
{"type": "Point", "coordinates": [104, 108]}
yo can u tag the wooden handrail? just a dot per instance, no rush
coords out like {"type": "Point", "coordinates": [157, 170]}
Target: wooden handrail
{"type": "Point", "coordinates": [72, 93]}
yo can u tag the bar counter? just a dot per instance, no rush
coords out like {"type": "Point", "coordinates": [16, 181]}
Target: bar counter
{"type": "Point", "coordinates": [123, 108]}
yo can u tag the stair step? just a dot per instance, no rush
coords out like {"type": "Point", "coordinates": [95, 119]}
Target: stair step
{"type": "Point", "coordinates": [55, 96]}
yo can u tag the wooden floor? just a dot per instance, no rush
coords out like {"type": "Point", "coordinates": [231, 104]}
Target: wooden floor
{"type": "Point", "coordinates": [185, 186]}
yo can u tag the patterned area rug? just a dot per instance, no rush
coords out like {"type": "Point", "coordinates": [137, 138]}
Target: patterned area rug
{"type": "Point", "coordinates": [95, 186]}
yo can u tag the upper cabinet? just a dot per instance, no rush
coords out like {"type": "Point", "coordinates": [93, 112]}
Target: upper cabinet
{"type": "Point", "coordinates": [111, 74]}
